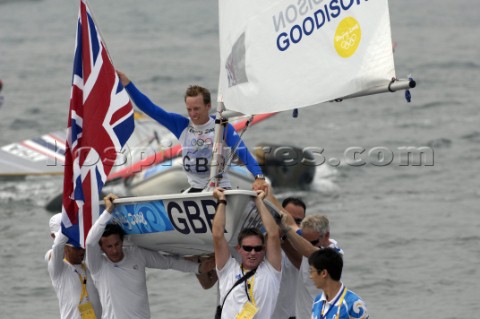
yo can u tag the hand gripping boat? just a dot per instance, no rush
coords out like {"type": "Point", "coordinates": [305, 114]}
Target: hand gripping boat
{"type": "Point", "coordinates": [181, 224]}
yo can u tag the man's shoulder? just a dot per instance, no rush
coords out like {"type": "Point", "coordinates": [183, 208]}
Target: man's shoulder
{"type": "Point", "coordinates": [356, 304]}
{"type": "Point", "coordinates": [334, 245]}
{"type": "Point", "coordinates": [352, 296]}
{"type": "Point", "coordinates": [266, 266]}
{"type": "Point", "coordinates": [231, 263]}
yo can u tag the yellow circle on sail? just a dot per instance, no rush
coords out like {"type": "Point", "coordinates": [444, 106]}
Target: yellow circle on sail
{"type": "Point", "coordinates": [347, 37]}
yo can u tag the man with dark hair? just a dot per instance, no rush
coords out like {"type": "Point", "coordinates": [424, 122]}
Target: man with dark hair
{"type": "Point", "coordinates": [299, 241]}
{"type": "Point", "coordinates": [296, 208]}
{"type": "Point", "coordinates": [336, 301]}
{"type": "Point", "coordinates": [196, 135]}
{"type": "Point", "coordinates": [119, 273]}
{"type": "Point", "coordinates": [312, 235]}
{"type": "Point", "coordinates": [285, 308]}
{"type": "Point", "coordinates": [261, 258]}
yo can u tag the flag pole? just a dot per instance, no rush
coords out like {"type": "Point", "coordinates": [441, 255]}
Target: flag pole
{"type": "Point", "coordinates": [87, 4]}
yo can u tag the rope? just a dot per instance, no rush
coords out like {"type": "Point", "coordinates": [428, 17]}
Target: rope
{"type": "Point", "coordinates": [232, 153]}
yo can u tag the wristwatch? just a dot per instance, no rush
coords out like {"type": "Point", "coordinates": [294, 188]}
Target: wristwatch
{"type": "Point", "coordinates": [259, 176]}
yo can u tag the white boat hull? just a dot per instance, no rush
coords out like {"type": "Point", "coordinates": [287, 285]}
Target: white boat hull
{"type": "Point", "coordinates": [181, 224]}
{"type": "Point", "coordinates": [170, 178]}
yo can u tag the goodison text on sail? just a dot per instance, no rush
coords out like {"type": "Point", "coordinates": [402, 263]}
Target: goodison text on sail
{"type": "Point", "coordinates": [311, 21]}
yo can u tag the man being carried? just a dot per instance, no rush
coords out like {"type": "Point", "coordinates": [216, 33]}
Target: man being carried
{"type": "Point", "coordinates": [119, 273]}
{"type": "Point", "coordinates": [256, 296]}
{"type": "Point", "coordinates": [196, 135]}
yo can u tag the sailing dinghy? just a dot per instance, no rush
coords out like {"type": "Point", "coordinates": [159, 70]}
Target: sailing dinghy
{"type": "Point", "coordinates": [274, 56]}
{"type": "Point", "coordinates": [45, 155]}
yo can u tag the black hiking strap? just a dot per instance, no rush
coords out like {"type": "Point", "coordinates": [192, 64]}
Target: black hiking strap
{"type": "Point", "coordinates": [238, 282]}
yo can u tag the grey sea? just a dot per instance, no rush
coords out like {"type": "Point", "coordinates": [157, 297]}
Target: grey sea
{"type": "Point", "coordinates": [410, 230]}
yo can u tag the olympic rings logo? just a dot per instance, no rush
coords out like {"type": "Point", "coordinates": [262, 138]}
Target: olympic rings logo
{"type": "Point", "coordinates": [347, 37]}
{"type": "Point", "coordinates": [350, 42]}
{"type": "Point", "coordinates": [201, 142]}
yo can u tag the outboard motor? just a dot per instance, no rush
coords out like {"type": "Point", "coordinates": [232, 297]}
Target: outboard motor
{"type": "Point", "coordinates": [286, 166]}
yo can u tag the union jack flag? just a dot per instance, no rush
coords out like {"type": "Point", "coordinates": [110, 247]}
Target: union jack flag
{"type": "Point", "coordinates": [100, 122]}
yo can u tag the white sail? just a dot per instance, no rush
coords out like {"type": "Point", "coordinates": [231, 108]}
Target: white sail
{"type": "Point", "coordinates": [285, 54]}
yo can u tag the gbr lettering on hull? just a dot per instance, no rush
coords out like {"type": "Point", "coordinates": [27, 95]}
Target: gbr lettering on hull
{"type": "Point", "coordinates": [191, 216]}
{"type": "Point", "coordinates": [185, 216]}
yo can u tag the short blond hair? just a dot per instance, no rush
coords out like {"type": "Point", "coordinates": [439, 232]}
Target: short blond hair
{"type": "Point", "coordinates": [195, 90]}
{"type": "Point", "coordinates": [318, 223]}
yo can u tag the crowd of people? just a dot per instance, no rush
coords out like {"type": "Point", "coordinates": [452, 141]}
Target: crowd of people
{"type": "Point", "coordinates": [291, 268]}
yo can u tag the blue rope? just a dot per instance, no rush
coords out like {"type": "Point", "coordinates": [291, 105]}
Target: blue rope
{"type": "Point", "coordinates": [295, 113]}
{"type": "Point", "coordinates": [408, 95]}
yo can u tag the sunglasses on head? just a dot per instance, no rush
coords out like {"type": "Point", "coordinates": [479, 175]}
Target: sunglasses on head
{"type": "Point", "coordinates": [250, 248]}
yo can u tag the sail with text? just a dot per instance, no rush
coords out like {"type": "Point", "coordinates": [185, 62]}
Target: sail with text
{"type": "Point", "coordinates": [100, 121]}
{"type": "Point", "coordinates": [284, 54]}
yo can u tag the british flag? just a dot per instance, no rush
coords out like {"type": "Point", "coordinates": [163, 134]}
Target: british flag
{"type": "Point", "coordinates": [100, 122]}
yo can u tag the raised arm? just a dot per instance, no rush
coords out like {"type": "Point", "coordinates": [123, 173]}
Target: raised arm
{"type": "Point", "coordinates": [93, 251]}
{"type": "Point", "coordinates": [208, 277]}
{"type": "Point", "coordinates": [292, 254]}
{"type": "Point", "coordinates": [176, 123]}
{"type": "Point", "coordinates": [232, 140]}
{"type": "Point", "coordinates": [159, 260]}
{"type": "Point", "coordinates": [274, 254]}
{"type": "Point", "coordinates": [300, 244]}
{"type": "Point", "coordinates": [55, 263]}
{"type": "Point", "coordinates": [220, 244]}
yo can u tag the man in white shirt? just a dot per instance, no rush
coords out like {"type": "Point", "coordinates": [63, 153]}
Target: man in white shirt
{"type": "Point", "coordinates": [119, 271]}
{"type": "Point", "coordinates": [255, 297]}
{"type": "Point", "coordinates": [285, 308]}
{"type": "Point", "coordinates": [312, 235]}
{"type": "Point", "coordinates": [71, 279]}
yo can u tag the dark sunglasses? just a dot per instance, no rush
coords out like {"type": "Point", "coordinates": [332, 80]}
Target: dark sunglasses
{"type": "Point", "coordinates": [315, 242]}
{"type": "Point", "coordinates": [298, 221]}
{"type": "Point", "coordinates": [250, 248]}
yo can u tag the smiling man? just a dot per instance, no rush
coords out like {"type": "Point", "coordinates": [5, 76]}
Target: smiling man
{"type": "Point", "coordinates": [196, 135]}
{"type": "Point", "coordinates": [118, 270]}
{"type": "Point", "coordinates": [261, 259]}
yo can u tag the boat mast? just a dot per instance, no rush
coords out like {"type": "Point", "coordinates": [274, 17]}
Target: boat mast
{"type": "Point", "coordinates": [218, 160]}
